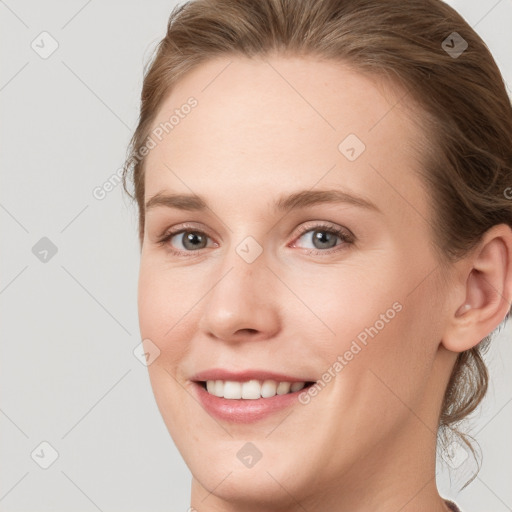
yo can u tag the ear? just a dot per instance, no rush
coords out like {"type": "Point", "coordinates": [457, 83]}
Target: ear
{"type": "Point", "coordinates": [483, 291]}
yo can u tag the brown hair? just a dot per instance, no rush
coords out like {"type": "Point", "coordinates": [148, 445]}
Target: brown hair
{"type": "Point", "coordinates": [464, 105]}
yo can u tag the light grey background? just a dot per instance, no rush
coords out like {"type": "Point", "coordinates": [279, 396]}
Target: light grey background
{"type": "Point", "coordinates": [69, 376]}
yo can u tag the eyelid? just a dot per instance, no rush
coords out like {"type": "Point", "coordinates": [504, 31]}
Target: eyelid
{"type": "Point", "coordinates": [168, 234]}
{"type": "Point", "coordinates": [185, 226]}
{"type": "Point", "coordinates": [326, 226]}
{"type": "Point", "coordinates": [346, 236]}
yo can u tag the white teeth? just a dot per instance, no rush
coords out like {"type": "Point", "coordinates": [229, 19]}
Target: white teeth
{"type": "Point", "coordinates": [219, 388]}
{"type": "Point", "coordinates": [297, 386]}
{"type": "Point", "coordinates": [283, 388]}
{"type": "Point", "coordinates": [268, 388]}
{"type": "Point", "coordinates": [232, 389]}
{"type": "Point", "coordinates": [252, 389]}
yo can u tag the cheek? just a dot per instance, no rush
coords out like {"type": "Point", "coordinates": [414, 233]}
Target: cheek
{"type": "Point", "coordinates": [376, 323]}
{"type": "Point", "coordinates": [400, 348]}
{"type": "Point", "coordinates": [153, 300]}
{"type": "Point", "coordinates": [164, 308]}
{"type": "Point", "coordinates": [349, 304]}
{"type": "Point", "coordinates": [378, 365]}
{"type": "Point", "coordinates": [165, 297]}
{"type": "Point", "coordinates": [166, 301]}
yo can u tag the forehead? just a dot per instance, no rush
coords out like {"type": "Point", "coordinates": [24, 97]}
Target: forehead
{"type": "Point", "coordinates": [283, 124]}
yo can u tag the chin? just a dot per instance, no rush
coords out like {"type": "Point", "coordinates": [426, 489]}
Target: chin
{"type": "Point", "coordinates": [243, 470]}
{"type": "Point", "coordinates": [245, 489]}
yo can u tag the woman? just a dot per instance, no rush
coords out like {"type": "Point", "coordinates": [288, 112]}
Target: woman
{"type": "Point", "coordinates": [325, 246]}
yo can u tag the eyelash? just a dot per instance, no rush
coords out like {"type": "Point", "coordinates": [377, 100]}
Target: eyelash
{"type": "Point", "coordinates": [346, 237]}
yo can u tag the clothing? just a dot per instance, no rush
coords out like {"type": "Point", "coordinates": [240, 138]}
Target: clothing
{"type": "Point", "coordinates": [452, 506]}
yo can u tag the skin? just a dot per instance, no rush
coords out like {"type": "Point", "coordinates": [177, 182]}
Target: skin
{"type": "Point", "coordinates": [261, 129]}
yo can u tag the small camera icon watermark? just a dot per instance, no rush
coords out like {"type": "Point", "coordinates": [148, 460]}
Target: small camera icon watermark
{"type": "Point", "coordinates": [249, 249]}
{"type": "Point", "coordinates": [454, 454]}
{"type": "Point", "coordinates": [44, 250]}
{"type": "Point", "coordinates": [44, 45]}
{"type": "Point", "coordinates": [146, 352]}
{"type": "Point", "coordinates": [351, 147]}
{"type": "Point", "coordinates": [454, 45]}
{"type": "Point", "coordinates": [44, 455]}
{"type": "Point", "coordinates": [249, 455]}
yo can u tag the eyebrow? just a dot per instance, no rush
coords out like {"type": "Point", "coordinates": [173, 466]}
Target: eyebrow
{"type": "Point", "coordinates": [286, 203]}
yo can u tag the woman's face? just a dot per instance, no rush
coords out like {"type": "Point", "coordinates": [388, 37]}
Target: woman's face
{"type": "Point", "coordinates": [260, 266]}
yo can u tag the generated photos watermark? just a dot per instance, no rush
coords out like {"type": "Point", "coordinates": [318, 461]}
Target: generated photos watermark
{"type": "Point", "coordinates": [356, 346]}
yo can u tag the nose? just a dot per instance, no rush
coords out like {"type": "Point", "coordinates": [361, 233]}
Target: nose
{"type": "Point", "coordinates": [243, 302]}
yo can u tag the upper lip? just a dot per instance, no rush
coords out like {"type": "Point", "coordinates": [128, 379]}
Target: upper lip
{"type": "Point", "coordinates": [245, 375]}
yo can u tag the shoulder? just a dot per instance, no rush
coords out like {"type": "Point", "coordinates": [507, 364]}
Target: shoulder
{"type": "Point", "coordinates": [452, 506]}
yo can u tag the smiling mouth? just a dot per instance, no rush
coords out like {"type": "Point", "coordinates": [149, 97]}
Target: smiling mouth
{"type": "Point", "coordinates": [251, 389]}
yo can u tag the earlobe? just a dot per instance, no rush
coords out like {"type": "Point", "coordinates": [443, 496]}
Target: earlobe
{"type": "Point", "coordinates": [486, 290]}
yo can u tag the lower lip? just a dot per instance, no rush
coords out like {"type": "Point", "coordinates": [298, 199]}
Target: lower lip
{"type": "Point", "coordinates": [244, 410]}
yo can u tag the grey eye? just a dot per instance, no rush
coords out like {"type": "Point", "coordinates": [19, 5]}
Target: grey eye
{"type": "Point", "coordinates": [320, 238]}
{"type": "Point", "coordinates": [191, 240]}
